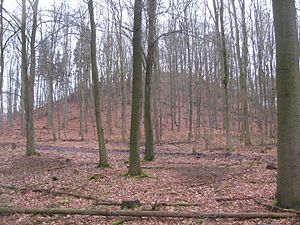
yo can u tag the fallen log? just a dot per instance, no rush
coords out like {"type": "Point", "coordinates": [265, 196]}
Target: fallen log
{"type": "Point", "coordinates": [129, 213]}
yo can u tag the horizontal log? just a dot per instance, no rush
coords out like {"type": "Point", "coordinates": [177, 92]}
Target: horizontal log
{"type": "Point", "coordinates": [91, 212]}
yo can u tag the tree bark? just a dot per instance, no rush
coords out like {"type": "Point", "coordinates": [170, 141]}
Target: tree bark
{"type": "Point", "coordinates": [29, 80]}
{"type": "Point", "coordinates": [101, 142]}
{"type": "Point", "coordinates": [149, 149]}
{"type": "Point", "coordinates": [134, 156]}
{"type": "Point", "coordinates": [288, 101]}
{"type": "Point", "coordinates": [225, 80]}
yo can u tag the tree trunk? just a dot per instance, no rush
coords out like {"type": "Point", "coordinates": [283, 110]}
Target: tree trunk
{"type": "Point", "coordinates": [109, 97]}
{"type": "Point", "coordinates": [122, 75]}
{"type": "Point", "coordinates": [134, 156]}
{"type": "Point", "coordinates": [225, 80]}
{"type": "Point", "coordinates": [149, 151]}
{"type": "Point", "coordinates": [161, 214]}
{"type": "Point", "coordinates": [50, 104]}
{"type": "Point", "coordinates": [102, 150]}
{"type": "Point", "coordinates": [65, 77]}
{"type": "Point", "coordinates": [288, 99]}
{"type": "Point", "coordinates": [242, 63]}
{"type": "Point", "coordinates": [190, 76]}
{"type": "Point", "coordinates": [156, 97]}
{"type": "Point", "coordinates": [82, 93]}
{"type": "Point", "coordinates": [10, 95]}
{"type": "Point", "coordinates": [16, 91]}
{"type": "Point", "coordinates": [29, 80]}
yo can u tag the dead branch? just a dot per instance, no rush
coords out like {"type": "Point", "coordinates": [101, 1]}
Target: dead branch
{"type": "Point", "coordinates": [50, 192]}
{"type": "Point", "coordinates": [91, 212]}
{"type": "Point", "coordinates": [65, 193]}
{"type": "Point", "coordinates": [159, 167]}
{"type": "Point", "coordinates": [276, 208]}
{"type": "Point", "coordinates": [178, 204]}
{"type": "Point", "coordinates": [108, 203]}
{"type": "Point", "coordinates": [233, 199]}
{"type": "Point", "coordinates": [58, 167]}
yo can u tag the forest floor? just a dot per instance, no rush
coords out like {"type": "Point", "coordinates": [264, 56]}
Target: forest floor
{"type": "Point", "coordinates": [65, 175]}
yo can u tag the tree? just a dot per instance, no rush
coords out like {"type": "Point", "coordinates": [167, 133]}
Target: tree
{"type": "Point", "coordinates": [221, 38]}
{"type": "Point", "coordinates": [121, 70]}
{"type": "Point", "coordinates": [288, 101]}
{"type": "Point", "coordinates": [82, 59]}
{"type": "Point", "coordinates": [149, 151]}
{"type": "Point", "coordinates": [46, 67]}
{"type": "Point", "coordinates": [242, 64]}
{"type": "Point", "coordinates": [190, 75]}
{"type": "Point", "coordinates": [134, 157]}
{"type": "Point", "coordinates": [225, 80]}
{"type": "Point", "coordinates": [102, 150]}
{"type": "Point", "coordinates": [29, 80]}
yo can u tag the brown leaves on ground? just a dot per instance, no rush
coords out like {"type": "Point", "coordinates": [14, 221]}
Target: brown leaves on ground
{"type": "Point", "coordinates": [65, 175]}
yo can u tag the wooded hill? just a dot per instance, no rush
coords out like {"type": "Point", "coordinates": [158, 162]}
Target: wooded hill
{"type": "Point", "coordinates": [187, 93]}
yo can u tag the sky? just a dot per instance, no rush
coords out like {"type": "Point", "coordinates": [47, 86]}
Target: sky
{"type": "Point", "coordinates": [10, 5]}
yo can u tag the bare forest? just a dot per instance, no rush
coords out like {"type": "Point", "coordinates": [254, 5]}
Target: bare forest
{"type": "Point", "coordinates": [149, 112]}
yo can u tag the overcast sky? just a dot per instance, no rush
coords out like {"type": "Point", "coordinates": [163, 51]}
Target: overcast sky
{"type": "Point", "coordinates": [13, 4]}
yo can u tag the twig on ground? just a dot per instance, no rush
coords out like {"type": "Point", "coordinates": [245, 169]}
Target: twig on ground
{"type": "Point", "coordinates": [277, 208]}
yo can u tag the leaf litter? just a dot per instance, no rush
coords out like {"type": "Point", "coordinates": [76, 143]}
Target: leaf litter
{"type": "Point", "coordinates": [65, 175]}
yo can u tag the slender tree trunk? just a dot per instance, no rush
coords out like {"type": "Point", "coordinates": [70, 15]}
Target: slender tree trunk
{"type": "Point", "coordinates": [122, 75]}
{"type": "Point", "coordinates": [65, 80]}
{"type": "Point", "coordinates": [246, 129]}
{"type": "Point", "coordinates": [29, 81]}
{"type": "Point", "coordinates": [288, 99]}
{"type": "Point", "coordinates": [102, 150]}
{"type": "Point", "coordinates": [16, 91]}
{"type": "Point", "coordinates": [260, 73]}
{"type": "Point", "coordinates": [225, 80]}
{"type": "Point", "coordinates": [109, 83]}
{"type": "Point", "coordinates": [171, 75]}
{"type": "Point", "coordinates": [149, 149]}
{"type": "Point", "coordinates": [10, 95]}
{"type": "Point", "coordinates": [134, 156]}
{"type": "Point", "coordinates": [116, 91]}
{"type": "Point", "coordinates": [190, 91]}
{"type": "Point", "coordinates": [242, 64]}
{"type": "Point", "coordinates": [50, 102]}
{"type": "Point", "coordinates": [82, 102]}
{"type": "Point", "coordinates": [156, 97]}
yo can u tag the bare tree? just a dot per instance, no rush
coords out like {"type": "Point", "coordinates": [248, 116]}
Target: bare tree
{"type": "Point", "coordinates": [225, 69]}
{"type": "Point", "coordinates": [102, 150]}
{"type": "Point", "coordinates": [242, 63]}
{"type": "Point", "coordinates": [29, 80]}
